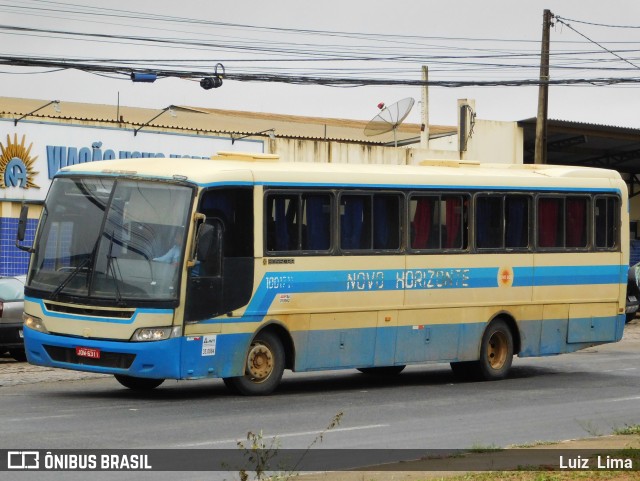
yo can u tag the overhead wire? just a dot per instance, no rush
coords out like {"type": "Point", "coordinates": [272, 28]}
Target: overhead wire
{"type": "Point", "coordinates": [561, 20]}
{"type": "Point", "coordinates": [374, 58]}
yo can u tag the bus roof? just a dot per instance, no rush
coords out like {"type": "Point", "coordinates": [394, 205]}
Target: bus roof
{"type": "Point", "coordinates": [267, 170]}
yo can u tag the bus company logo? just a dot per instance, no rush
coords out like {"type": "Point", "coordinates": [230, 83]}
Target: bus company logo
{"type": "Point", "coordinates": [16, 164]}
{"type": "Point", "coordinates": [23, 460]}
{"type": "Point", "coordinates": [505, 277]}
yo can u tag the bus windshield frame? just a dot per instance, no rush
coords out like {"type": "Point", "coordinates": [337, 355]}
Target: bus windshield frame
{"type": "Point", "coordinates": [112, 241]}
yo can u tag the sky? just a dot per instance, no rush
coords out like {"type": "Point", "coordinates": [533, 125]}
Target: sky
{"type": "Point", "coordinates": [459, 40]}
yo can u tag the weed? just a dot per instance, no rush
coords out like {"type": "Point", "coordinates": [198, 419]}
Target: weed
{"type": "Point", "coordinates": [628, 429]}
{"type": "Point", "coordinates": [261, 453]}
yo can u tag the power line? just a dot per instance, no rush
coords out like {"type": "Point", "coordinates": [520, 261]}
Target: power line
{"type": "Point", "coordinates": [358, 58]}
{"type": "Point", "coordinates": [125, 70]}
{"type": "Point", "coordinates": [600, 24]}
{"type": "Point", "coordinates": [561, 20]}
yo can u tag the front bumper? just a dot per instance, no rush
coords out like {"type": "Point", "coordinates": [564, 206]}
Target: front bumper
{"type": "Point", "coordinates": [157, 360]}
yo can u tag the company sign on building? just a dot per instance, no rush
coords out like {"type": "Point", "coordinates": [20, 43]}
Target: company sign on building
{"type": "Point", "coordinates": [31, 153]}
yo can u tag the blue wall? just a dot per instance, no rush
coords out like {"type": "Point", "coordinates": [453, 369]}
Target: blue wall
{"type": "Point", "coordinates": [13, 261]}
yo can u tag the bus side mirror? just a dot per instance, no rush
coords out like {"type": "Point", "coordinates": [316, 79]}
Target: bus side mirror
{"type": "Point", "coordinates": [22, 229]}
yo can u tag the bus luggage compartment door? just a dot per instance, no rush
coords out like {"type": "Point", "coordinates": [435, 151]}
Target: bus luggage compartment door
{"type": "Point", "coordinates": [592, 323]}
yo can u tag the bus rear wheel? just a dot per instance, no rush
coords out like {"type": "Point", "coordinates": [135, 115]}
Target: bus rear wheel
{"type": "Point", "coordinates": [496, 355]}
{"type": "Point", "coordinates": [264, 366]}
{"type": "Point", "coordinates": [138, 383]}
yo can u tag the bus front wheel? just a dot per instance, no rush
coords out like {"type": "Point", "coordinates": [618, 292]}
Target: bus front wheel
{"type": "Point", "coordinates": [263, 369]}
{"type": "Point", "coordinates": [138, 383]}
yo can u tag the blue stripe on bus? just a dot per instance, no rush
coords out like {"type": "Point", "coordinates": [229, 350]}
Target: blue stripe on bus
{"type": "Point", "coordinates": [568, 275]}
{"type": "Point", "coordinates": [282, 283]}
{"type": "Point", "coordinates": [113, 320]}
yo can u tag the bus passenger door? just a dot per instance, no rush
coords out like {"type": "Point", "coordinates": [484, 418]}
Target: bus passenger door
{"type": "Point", "coordinates": [205, 289]}
{"type": "Point", "coordinates": [222, 279]}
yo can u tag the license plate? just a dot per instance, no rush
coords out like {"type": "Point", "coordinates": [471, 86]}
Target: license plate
{"type": "Point", "coordinates": [20, 334]}
{"type": "Point", "coordinates": [88, 352]}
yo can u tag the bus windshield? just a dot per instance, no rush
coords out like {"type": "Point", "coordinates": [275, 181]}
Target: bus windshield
{"type": "Point", "coordinates": [114, 240]}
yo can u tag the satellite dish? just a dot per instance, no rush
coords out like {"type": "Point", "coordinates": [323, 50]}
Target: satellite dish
{"type": "Point", "coordinates": [389, 118]}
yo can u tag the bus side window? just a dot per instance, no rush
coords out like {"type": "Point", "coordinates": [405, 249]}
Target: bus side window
{"type": "Point", "coordinates": [454, 222]}
{"type": "Point", "coordinates": [316, 235]}
{"type": "Point", "coordinates": [355, 222]}
{"type": "Point", "coordinates": [562, 222]}
{"type": "Point", "coordinates": [282, 222]}
{"type": "Point", "coordinates": [209, 249]}
{"type": "Point", "coordinates": [439, 222]}
{"type": "Point", "coordinates": [422, 226]}
{"type": "Point", "coordinates": [489, 222]}
{"type": "Point", "coordinates": [577, 208]}
{"type": "Point", "coordinates": [605, 220]}
{"type": "Point", "coordinates": [549, 221]}
{"type": "Point", "coordinates": [234, 208]}
{"type": "Point", "coordinates": [517, 222]}
{"type": "Point", "coordinates": [386, 221]}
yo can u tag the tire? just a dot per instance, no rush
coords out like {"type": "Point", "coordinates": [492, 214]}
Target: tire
{"type": "Point", "coordinates": [496, 355]}
{"type": "Point", "coordinates": [264, 365]}
{"type": "Point", "coordinates": [382, 371]}
{"type": "Point", "coordinates": [18, 354]}
{"type": "Point", "coordinates": [138, 383]}
{"type": "Point", "coordinates": [496, 351]}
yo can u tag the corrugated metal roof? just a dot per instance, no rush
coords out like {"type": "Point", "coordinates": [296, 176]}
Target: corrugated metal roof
{"type": "Point", "coordinates": [602, 128]}
{"type": "Point", "coordinates": [215, 121]}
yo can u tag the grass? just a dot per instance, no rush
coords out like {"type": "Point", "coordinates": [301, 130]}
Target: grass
{"type": "Point", "coordinates": [628, 430]}
{"type": "Point", "coordinates": [537, 473]}
{"type": "Point", "coordinates": [544, 476]}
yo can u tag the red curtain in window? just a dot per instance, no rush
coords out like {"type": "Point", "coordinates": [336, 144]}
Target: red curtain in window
{"type": "Point", "coordinates": [422, 223]}
{"type": "Point", "coordinates": [453, 217]}
{"type": "Point", "coordinates": [548, 210]}
{"type": "Point", "coordinates": [576, 222]}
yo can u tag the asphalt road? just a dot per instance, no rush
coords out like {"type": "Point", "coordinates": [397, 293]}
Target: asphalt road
{"type": "Point", "coordinates": [588, 393]}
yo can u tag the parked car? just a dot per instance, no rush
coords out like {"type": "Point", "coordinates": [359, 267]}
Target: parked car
{"type": "Point", "coordinates": [11, 308]}
{"type": "Point", "coordinates": [633, 292]}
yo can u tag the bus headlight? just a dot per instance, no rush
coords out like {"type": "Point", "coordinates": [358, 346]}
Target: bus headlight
{"type": "Point", "coordinates": [156, 333]}
{"type": "Point", "coordinates": [33, 322]}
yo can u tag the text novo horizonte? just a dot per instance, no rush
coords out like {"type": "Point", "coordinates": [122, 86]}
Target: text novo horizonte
{"type": "Point", "coordinates": [409, 279]}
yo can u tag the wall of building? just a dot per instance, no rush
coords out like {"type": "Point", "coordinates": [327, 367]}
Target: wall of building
{"type": "Point", "coordinates": [490, 141]}
{"type": "Point", "coordinates": [297, 150]}
{"type": "Point", "coordinates": [14, 261]}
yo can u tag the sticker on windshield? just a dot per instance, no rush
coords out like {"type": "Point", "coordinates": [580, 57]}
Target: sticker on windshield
{"type": "Point", "coordinates": [209, 345]}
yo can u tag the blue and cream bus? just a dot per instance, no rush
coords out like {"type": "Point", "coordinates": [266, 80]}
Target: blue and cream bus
{"type": "Point", "coordinates": [242, 266]}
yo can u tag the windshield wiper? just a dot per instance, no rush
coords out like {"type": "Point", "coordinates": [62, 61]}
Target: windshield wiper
{"type": "Point", "coordinates": [70, 277]}
{"type": "Point", "coordinates": [111, 269]}
{"type": "Point", "coordinates": [87, 261]}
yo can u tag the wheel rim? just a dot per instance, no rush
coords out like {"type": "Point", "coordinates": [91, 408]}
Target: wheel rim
{"type": "Point", "coordinates": [259, 362]}
{"type": "Point", "coordinates": [498, 350]}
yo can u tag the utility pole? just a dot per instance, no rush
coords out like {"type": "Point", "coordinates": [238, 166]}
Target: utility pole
{"type": "Point", "coordinates": [424, 130]}
{"type": "Point", "coordinates": [540, 155]}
